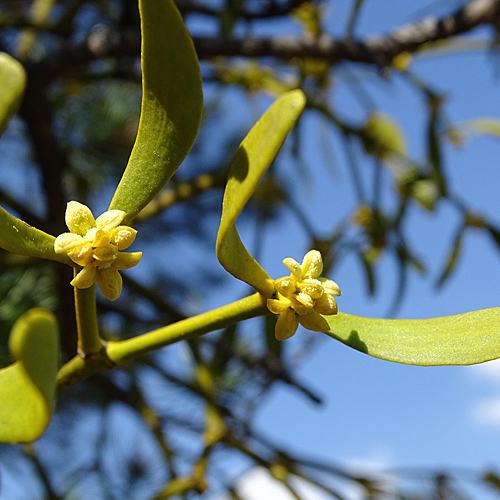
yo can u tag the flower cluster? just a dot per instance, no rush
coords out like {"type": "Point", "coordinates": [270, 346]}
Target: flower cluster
{"type": "Point", "coordinates": [303, 297]}
{"type": "Point", "coordinates": [94, 244]}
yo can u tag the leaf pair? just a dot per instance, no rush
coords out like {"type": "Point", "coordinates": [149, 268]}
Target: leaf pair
{"type": "Point", "coordinates": [454, 340]}
{"type": "Point", "coordinates": [170, 118]}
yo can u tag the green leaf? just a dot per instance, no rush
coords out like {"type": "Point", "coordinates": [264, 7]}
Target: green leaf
{"type": "Point", "coordinates": [383, 137]}
{"type": "Point", "coordinates": [494, 233]}
{"type": "Point", "coordinates": [12, 83]}
{"type": "Point", "coordinates": [464, 339]}
{"type": "Point", "coordinates": [172, 103]}
{"type": "Point", "coordinates": [453, 256]}
{"type": "Point", "coordinates": [426, 192]}
{"type": "Point", "coordinates": [224, 350]}
{"type": "Point", "coordinates": [492, 479]}
{"type": "Point", "coordinates": [487, 126]}
{"type": "Point", "coordinates": [368, 268]}
{"type": "Point", "coordinates": [27, 387]}
{"type": "Point", "coordinates": [39, 15]}
{"type": "Point", "coordinates": [434, 144]}
{"type": "Point", "coordinates": [20, 238]}
{"type": "Point", "coordinates": [254, 155]}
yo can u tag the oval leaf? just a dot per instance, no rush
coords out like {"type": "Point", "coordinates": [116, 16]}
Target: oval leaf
{"type": "Point", "coordinates": [12, 83]}
{"type": "Point", "coordinates": [27, 387]}
{"type": "Point", "coordinates": [254, 155]}
{"type": "Point", "coordinates": [172, 103]}
{"type": "Point", "coordinates": [20, 238]}
{"type": "Point", "coordinates": [383, 137]}
{"type": "Point", "coordinates": [464, 339]}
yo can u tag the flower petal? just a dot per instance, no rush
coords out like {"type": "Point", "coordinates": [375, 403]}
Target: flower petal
{"type": "Point", "coordinates": [110, 282]}
{"type": "Point", "coordinates": [110, 219]}
{"type": "Point", "coordinates": [79, 218]}
{"type": "Point", "coordinates": [67, 241]}
{"type": "Point", "coordinates": [313, 288]}
{"type": "Point", "coordinates": [106, 254]}
{"type": "Point", "coordinates": [313, 321]}
{"type": "Point", "coordinates": [82, 255]}
{"type": "Point", "coordinates": [286, 286]}
{"type": "Point", "coordinates": [305, 300]}
{"type": "Point", "coordinates": [126, 260]}
{"type": "Point", "coordinates": [326, 305]}
{"type": "Point", "coordinates": [312, 265]}
{"type": "Point", "coordinates": [85, 278]}
{"type": "Point", "coordinates": [101, 238]}
{"type": "Point", "coordinates": [330, 287]}
{"type": "Point", "coordinates": [123, 237]}
{"type": "Point", "coordinates": [278, 306]}
{"type": "Point", "coordinates": [294, 267]}
{"type": "Point", "coordinates": [287, 325]}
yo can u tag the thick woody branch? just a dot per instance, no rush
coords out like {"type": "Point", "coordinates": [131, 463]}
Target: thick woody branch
{"type": "Point", "coordinates": [374, 50]}
{"type": "Point", "coordinates": [379, 50]}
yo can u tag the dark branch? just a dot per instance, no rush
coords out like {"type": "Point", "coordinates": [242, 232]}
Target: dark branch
{"type": "Point", "coordinates": [378, 50]}
{"type": "Point", "coordinates": [375, 50]}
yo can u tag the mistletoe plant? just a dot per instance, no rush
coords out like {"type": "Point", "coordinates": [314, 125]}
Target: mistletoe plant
{"type": "Point", "coordinates": [170, 117]}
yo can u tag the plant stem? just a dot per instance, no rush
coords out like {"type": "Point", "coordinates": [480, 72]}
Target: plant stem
{"type": "Point", "coordinates": [89, 341]}
{"type": "Point", "coordinates": [249, 307]}
{"type": "Point", "coordinates": [119, 353]}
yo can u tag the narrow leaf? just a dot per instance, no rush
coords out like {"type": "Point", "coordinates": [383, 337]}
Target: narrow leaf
{"type": "Point", "coordinates": [20, 238]}
{"type": "Point", "coordinates": [224, 350]}
{"type": "Point", "coordinates": [464, 339]}
{"type": "Point", "coordinates": [12, 83]}
{"type": "Point", "coordinates": [254, 155]}
{"type": "Point", "coordinates": [453, 256]}
{"type": "Point", "coordinates": [434, 144]}
{"type": "Point", "coordinates": [27, 387]}
{"type": "Point", "coordinates": [369, 272]}
{"type": "Point", "coordinates": [495, 234]}
{"type": "Point", "coordinates": [172, 103]}
{"type": "Point", "coordinates": [487, 126]}
{"type": "Point", "coordinates": [492, 479]}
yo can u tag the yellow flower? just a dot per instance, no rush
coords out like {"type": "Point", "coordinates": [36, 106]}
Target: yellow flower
{"type": "Point", "coordinates": [303, 297]}
{"type": "Point", "coordinates": [94, 244]}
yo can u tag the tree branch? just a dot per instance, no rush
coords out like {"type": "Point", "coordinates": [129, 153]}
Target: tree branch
{"type": "Point", "coordinates": [379, 50]}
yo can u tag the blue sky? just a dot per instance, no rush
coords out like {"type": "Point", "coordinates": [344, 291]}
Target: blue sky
{"type": "Point", "coordinates": [376, 413]}
{"type": "Point", "coordinates": [380, 415]}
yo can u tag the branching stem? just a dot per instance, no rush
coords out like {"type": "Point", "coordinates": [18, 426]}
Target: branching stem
{"type": "Point", "coordinates": [126, 350]}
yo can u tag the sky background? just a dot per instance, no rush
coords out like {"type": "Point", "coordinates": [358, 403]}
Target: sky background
{"type": "Point", "coordinates": [376, 414]}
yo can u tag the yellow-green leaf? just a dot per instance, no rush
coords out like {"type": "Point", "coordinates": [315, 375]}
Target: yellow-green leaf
{"type": "Point", "coordinates": [27, 387]}
{"type": "Point", "coordinates": [464, 339]}
{"type": "Point", "coordinates": [12, 83]}
{"type": "Point", "coordinates": [383, 137]}
{"type": "Point", "coordinates": [488, 126]}
{"type": "Point", "coordinates": [20, 238]}
{"type": "Point", "coordinates": [172, 103]}
{"type": "Point", "coordinates": [39, 14]}
{"type": "Point", "coordinates": [254, 155]}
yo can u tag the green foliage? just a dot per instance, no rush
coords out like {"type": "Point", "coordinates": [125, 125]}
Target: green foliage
{"type": "Point", "coordinates": [172, 102]}
{"type": "Point", "coordinates": [254, 155]}
{"type": "Point", "coordinates": [18, 237]}
{"type": "Point", "coordinates": [463, 339]}
{"type": "Point", "coordinates": [383, 137]}
{"type": "Point", "coordinates": [27, 387]}
{"type": "Point", "coordinates": [12, 83]}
